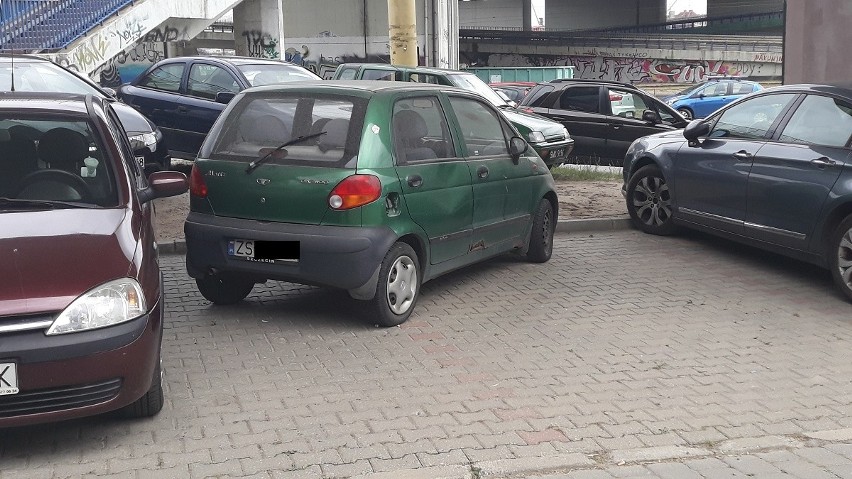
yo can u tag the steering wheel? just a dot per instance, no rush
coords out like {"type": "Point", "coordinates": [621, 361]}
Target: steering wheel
{"type": "Point", "coordinates": [41, 185]}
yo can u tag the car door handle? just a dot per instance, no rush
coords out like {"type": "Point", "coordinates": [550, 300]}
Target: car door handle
{"type": "Point", "coordinates": [482, 172]}
{"type": "Point", "coordinates": [823, 162]}
{"type": "Point", "coordinates": [414, 181]}
{"type": "Point", "coordinates": [616, 127]}
{"type": "Point", "coordinates": [182, 109]}
{"type": "Point", "coordinates": [743, 155]}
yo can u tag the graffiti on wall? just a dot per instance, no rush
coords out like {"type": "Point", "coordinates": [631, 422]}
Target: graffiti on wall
{"type": "Point", "coordinates": [322, 66]}
{"type": "Point", "coordinates": [128, 64]}
{"type": "Point", "coordinates": [261, 45]}
{"type": "Point", "coordinates": [334, 50]}
{"type": "Point", "coordinates": [101, 45]}
{"type": "Point", "coordinates": [634, 69]}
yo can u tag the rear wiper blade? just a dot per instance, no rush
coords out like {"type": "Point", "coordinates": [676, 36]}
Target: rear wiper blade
{"type": "Point", "coordinates": [254, 164]}
{"type": "Point", "coordinates": [18, 203]}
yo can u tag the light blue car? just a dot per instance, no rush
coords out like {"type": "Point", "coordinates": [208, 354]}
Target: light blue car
{"type": "Point", "coordinates": [702, 99]}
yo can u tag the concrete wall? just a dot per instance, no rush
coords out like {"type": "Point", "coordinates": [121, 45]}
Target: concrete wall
{"type": "Point", "coordinates": [332, 32]}
{"type": "Point", "coordinates": [257, 27]}
{"type": "Point", "coordinates": [724, 8]}
{"type": "Point", "coordinates": [583, 14]}
{"type": "Point", "coordinates": [493, 13]}
{"type": "Point", "coordinates": [816, 47]}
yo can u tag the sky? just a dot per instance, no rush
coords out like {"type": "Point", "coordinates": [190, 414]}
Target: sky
{"type": "Point", "coordinates": [698, 6]}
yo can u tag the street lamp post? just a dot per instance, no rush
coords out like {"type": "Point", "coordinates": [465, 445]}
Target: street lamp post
{"type": "Point", "coordinates": [402, 30]}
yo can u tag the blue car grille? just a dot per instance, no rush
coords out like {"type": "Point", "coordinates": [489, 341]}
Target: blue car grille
{"type": "Point", "coordinates": [58, 399]}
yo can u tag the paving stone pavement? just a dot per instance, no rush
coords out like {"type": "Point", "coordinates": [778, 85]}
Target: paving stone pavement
{"type": "Point", "coordinates": [627, 355]}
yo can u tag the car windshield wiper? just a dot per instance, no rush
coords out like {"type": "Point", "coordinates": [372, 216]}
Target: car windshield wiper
{"type": "Point", "coordinates": [254, 164]}
{"type": "Point", "coordinates": [20, 204]}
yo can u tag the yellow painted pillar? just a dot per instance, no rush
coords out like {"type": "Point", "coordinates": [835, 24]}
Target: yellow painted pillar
{"type": "Point", "coordinates": [402, 30]}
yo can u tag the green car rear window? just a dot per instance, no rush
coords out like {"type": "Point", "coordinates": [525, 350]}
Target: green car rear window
{"type": "Point", "coordinates": [313, 130]}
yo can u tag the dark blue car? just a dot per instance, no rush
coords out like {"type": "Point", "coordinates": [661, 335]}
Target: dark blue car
{"type": "Point", "coordinates": [773, 169]}
{"type": "Point", "coordinates": [702, 99]}
{"type": "Point", "coordinates": [183, 96]}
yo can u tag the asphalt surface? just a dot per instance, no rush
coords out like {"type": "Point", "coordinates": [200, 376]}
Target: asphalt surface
{"type": "Point", "coordinates": [626, 355]}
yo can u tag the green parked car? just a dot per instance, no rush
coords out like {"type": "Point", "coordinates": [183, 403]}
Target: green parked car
{"type": "Point", "coordinates": [547, 137]}
{"type": "Point", "coordinates": [371, 187]}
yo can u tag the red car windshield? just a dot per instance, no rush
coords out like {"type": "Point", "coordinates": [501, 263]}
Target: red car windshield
{"type": "Point", "coordinates": [52, 163]}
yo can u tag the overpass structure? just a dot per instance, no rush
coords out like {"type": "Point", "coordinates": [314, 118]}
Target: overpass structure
{"type": "Point", "coordinates": [113, 40]}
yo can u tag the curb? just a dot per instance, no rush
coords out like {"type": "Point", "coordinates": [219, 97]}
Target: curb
{"type": "Point", "coordinates": [562, 226]}
{"type": "Point", "coordinates": [593, 224]}
{"type": "Point", "coordinates": [171, 247]}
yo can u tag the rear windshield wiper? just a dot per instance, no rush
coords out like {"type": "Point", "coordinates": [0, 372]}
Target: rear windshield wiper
{"type": "Point", "coordinates": [254, 164]}
{"type": "Point", "coordinates": [21, 204]}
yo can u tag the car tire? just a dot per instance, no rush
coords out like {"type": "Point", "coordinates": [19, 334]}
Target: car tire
{"type": "Point", "coordinates": [540, 247]}
{"type": "Point", "coordinates": [840, 256]}
{"type": "Point", "coordinates": [398, 287]}
{"type": "Point", "coordinates": [222, 289]}
{"type": "Point", "coordinates": [649, 201]}
{"type": "Point", "coordinates": [150, 403]}
{"type": "Point", "coordinates": [686, 113]}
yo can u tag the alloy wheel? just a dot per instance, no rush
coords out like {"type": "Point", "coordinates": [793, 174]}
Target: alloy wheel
{"type": "Point", "coordinates": [844, 258]}
{"type": "Point", "coordinates": [652, 201]}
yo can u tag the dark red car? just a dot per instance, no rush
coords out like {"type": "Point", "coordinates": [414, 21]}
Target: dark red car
{"type": "Point", "coordinates": [81, 294]}
{"type": "Point", "coordinates": [516, 91]}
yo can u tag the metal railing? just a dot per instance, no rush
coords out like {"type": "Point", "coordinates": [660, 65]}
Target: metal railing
{"type": "Point", "coordinates": [46, 25]}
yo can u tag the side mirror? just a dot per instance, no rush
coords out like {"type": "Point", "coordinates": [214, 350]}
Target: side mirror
{"type": "Point", "coordinates": [694, 130]}
{"type": "Point", "coordinates": [162, 184]}
{"type": "Point", "coordinates": [138, 145]}
{"type": "Point", "coordinates": [110, 92]}
{"type": "Point", "coordinates": [651, 117]}
{"type": "Point", "coordinates": [517, 147]}
{"type": "Point", "coordinates": [225, 96]}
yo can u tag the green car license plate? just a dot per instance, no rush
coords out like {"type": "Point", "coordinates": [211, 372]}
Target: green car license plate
{"type": "Point", "coordinates": [264, 250]}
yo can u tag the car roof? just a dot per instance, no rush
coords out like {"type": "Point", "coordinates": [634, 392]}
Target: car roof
{"type": "Point", "coordinates": [837, 89]}
{"type": "Point", "coordinates": [593, 81]}
{"type": "Point", "coordinates": [59, 104]}
{"type": "Point", "coordinates": [728, 79]}
{"type": "Point", "coordinates": [8, 58]}
{"type": "Point", "coordinates": [514, 83]}
{"type": "Point", "coordinates": [361, 86]}
{"type": "Point", "coordinates": [235, 60]}
{"type": "Point", "coordinates": [418, 69]}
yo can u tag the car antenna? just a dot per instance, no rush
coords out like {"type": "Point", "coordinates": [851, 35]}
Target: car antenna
{"type": "Point", "coordinates": [12, 55]}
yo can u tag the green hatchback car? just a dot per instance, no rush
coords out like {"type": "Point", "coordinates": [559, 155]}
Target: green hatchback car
{"type": "Point", "coordinates": [371, 187]}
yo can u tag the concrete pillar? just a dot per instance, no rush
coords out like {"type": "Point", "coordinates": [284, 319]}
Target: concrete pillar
{"type": "Point", "coordinates": [816, 42]}
{"type": "Point", "coordinates": [526, 11]}
{"type": "Point", "coordinates": [258, 28]}
{"type": "Point", "coordinates": [442, 47]}
{"type": "Point", "coordinates": [402, 30]}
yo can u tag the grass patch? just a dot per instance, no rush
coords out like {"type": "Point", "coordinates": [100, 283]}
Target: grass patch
{"type": "Point", "coordinates": [583, 173]}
